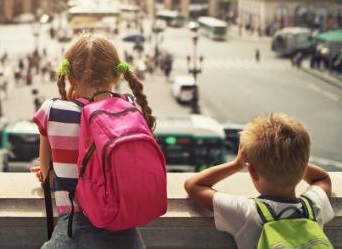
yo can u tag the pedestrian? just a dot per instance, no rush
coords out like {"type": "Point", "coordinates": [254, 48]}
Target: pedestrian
{"type": "Point", "coordinates": [257, 55]}
{"type": "Point", "coordinates": [37, 101]}
{"type": "Point", "coordinates": [21, 64]}
{"type": "Point", "coordinates": [29, 77]}
{"type": "Point", "coordinates": [275, 151]}
{"type": "Point", "coordinates": [298, 60]}
{"type": "Point", "coordinates": [52, 32]}
{"type": "Point", "coordinates": [91, 65]}
{"type": "Point", "coordinates": [4, 58]}
{"type": "Point", "coordinates": [5, 88]}
{"type": "Point", "coordinates": [167, 65]}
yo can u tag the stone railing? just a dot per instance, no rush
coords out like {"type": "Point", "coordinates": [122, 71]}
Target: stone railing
{"type": "Point", "coordinates": [185, 225]}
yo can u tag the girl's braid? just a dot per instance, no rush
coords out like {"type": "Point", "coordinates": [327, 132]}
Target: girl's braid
{"type": "Point", "coordinates": [137, 89]}
{"type": "Point", "coordinates": [61, 87]}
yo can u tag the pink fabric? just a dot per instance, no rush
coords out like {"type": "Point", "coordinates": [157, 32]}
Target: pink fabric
{"type": "Point", "coordinates": [129, 189]}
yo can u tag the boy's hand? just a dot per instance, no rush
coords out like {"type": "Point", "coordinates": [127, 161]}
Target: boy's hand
{"type": "Point", "coordinates": [39, 175]}
{"type": "Point", "coordinates": [240, 160]}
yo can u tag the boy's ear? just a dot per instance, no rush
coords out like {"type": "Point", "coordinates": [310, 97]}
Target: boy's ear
{"type": "Point", "coordinates": [253, 172]}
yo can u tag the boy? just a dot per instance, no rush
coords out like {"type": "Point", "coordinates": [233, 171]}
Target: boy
{"type": "Point", "coordinates": [275, 151]}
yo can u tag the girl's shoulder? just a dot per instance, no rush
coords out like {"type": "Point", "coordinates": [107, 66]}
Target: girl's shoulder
{"type": "Point", "coordinates": [61, 104]}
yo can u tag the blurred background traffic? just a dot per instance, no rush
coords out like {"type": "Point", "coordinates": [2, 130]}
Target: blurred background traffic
{"type": "Point", "coordinates": [208, 67]}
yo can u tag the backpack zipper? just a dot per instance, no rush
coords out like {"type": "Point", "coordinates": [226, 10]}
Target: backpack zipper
{"type": "Point", "coordinates": [311, 243]}
{"type": "Point", "coordinates": [87, 158]}
{"type": "Point", "coordinates": [129, 109]}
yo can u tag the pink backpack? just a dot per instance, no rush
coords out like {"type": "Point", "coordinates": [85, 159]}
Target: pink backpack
{"type": "Point", "coordinates": [122, 172]}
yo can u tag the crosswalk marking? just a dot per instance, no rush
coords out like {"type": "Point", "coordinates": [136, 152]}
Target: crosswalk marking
{"type": "Point", "coordinates": [236, 64]}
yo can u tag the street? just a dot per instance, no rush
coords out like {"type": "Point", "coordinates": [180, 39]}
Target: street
{"type": "Point", "coordinates": [233, 86]}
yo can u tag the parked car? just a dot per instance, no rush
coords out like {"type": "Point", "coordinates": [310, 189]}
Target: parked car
{"type": "Point", "coordinates": [183, 88]}
{"type": "Point", "coordinates": [20, 140]}
{"type": "Point", "coordinates": [3, 152]}
{"type": "Point", "coordinates": [232, 137]}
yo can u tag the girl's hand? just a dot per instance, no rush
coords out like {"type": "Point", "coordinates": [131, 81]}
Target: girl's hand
{"type": "Point", "coordinates": [39, 174]}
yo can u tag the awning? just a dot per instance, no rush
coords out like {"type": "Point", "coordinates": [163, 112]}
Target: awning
{"type": "Point", "coordinates": [198, 7]}
{"type": "Point", "coordinates": [330, 36]}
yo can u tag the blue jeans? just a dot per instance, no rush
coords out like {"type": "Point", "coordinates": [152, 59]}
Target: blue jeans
{"type": "Point", "coordinates": [86, 236]}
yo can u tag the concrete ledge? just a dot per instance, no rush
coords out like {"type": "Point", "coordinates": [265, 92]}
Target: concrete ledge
{"type": "Point", "coordinates": [185, 225]}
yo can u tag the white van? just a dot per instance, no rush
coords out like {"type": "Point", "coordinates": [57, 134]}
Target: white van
{"type": "Point", "coordinates": [183, 88]}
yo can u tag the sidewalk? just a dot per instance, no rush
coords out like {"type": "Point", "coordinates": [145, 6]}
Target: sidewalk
{"type": "Point", "coordinates": [243, 35]}
{"type": "Point", "coordinates": [332, 78]}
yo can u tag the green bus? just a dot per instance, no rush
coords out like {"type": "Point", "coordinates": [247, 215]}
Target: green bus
{"type": "Point", "coordinates": [190, 143]}
{"type": "Point", "coordinates": [172, 18]}
{"type": "Point", "coordinates": [213, 28]}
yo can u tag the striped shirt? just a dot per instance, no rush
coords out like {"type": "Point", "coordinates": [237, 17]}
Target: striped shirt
{"type": "Point", "coordinates": [59, 121]}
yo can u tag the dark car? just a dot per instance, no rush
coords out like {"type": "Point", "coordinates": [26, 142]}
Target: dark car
{"type": "Point", "coordinates": [20, 139]}
{"type": "Point", "coordinates": [232, 137]}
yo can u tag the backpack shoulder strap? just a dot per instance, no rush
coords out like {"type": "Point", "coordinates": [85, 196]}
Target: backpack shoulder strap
{"type": "Point", "coordinates": [307, 207]}
{"type": "Point", "coordinates": [81, 102]}
{"type": "Point", "coordinates": [265, 212]}
{"type": "Point", "coordinates": [48, 203]}
{"type": "Point", "coordinates": [129, 98]}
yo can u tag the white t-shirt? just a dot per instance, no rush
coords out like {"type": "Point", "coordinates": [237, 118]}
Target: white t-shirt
{"type": "Point", "coordinates": [238, 215]}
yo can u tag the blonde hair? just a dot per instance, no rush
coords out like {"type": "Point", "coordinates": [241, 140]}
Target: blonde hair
{"type": "Point", "coordinates": [93, 59]}
{"type": "Point", "coordinates": [278, 146]}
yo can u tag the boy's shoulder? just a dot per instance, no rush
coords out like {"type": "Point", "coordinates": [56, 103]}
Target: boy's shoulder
{"type": "Point", "coordinates": [321, 204]}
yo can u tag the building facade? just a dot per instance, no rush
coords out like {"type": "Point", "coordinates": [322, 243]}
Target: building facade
{"type": "Point", "coordinates": [264, 16]}
{"type": "Point", "coordinates": [188, 8]}
{"type": "Point", "coordinates": [10, 9]}
{"type": "Point", "coordinates": [267, 16]}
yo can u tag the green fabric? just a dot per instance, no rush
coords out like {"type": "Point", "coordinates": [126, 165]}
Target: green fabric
{"type": "Point", "coordinates": [309, 208]}
{"type": "Point", "coordinates": [267, 214]}
{"type": "Point", "coordinates": [63, 68]}
{"type": "Point", "coordinates": [298, 233]}
{"type": "Point", "coordinates": [122, 67]}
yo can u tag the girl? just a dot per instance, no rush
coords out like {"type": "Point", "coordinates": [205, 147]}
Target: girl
{"type": "Point", "coordinates": [91, 65]}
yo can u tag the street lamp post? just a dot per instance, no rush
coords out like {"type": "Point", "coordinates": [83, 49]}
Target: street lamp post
{"type": "Point", "coordinates": [195, 68]}
{"type": "Point", "coordinates": [157, 28]}
{"type": "Point", "coordinates": [36, 28]}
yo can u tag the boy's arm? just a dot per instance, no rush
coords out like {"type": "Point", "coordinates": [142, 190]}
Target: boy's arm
{"type": "Point", "coordinates": [315, 175]}
{"type": "Point", "coordinates": [199, 186]}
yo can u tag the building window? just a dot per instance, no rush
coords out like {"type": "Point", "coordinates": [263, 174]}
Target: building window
{"type": "Point", "coordinates": [303, 16]}
{"type": "Point", "coordinates": [282, 16]}
{"type": "Point", "coordinates": [321, 17]}
{"type": "Point", "coordinates": [198, 8]}
{"type": "Point", "coordinates": [2, 12]}
{"type": "Point", "coordinates": [339, 18]}
{"type": "Point", "coordinates": [176, 5]}
{"type": "Point", "coordinates": [17, 7]}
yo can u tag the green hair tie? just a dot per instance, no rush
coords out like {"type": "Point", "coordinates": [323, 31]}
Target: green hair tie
{"type": "Point", "coordinates": [122, 67]}
{"type": "Point", "coordinates": [63, 68]}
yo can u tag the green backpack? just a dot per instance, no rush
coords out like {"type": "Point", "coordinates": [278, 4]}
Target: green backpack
{"type": "Point", "coordinates": [291, 233]}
